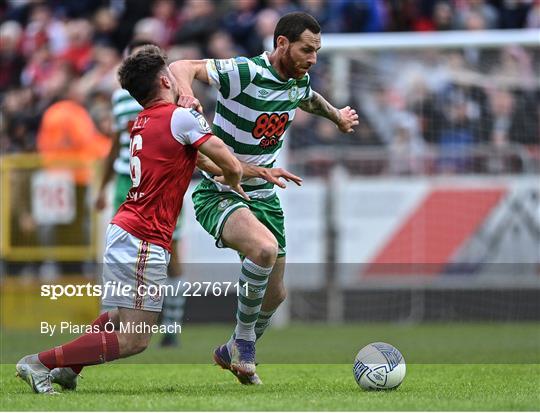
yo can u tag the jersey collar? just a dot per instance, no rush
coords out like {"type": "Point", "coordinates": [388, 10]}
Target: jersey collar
{"type": "Point", "coordinates": [272, 69]}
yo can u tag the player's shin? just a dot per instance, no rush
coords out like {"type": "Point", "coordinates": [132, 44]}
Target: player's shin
{"type": "Point", "coordinates": [86, 350]}
{"type": "Point", "coordinates": [105, 322]}
{"type": "Point", "coordinates": [252, 287]}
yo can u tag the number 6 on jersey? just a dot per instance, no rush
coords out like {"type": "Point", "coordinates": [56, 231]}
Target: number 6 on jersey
{"type": "Point", "coordinates": [134, 161]}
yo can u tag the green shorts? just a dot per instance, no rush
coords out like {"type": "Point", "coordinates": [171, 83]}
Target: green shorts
{"type": "Point", "coordinates": [122, 187]}
{"type": "Point", "coordinates": [212, 208]}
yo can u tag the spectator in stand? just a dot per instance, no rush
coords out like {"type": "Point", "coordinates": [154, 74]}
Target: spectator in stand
{"type": "Point", "coordinates": [407, 149]}
{"type": "Point", "coordinates": [239, 21]}
{"type": "Point", "coordinates": [19, 122]}
{"type": "Point", "coordinates": [457, 134]}
{"type": "Point", "coordinates": [358, 15]}
{"type": "Point", "coordinates": [11, 59]}
{"type": "Point", "coordinates": [513, 13]}
{"type": "Point", "coordinates": [320, 10]}
{"type": "Point", "coordinates": [40, 68]}
{"type": "Point", "coordinates": [501, 122]}
{"type": "Point", "coordinates": [106, 28]}
{"type": "Point", "coordinates": [441, 18]}
{"type": "Point", "coordinates": [128, 13]}
{"type": "Point", "coordinates": [165, 12]}
{"type": "Point", "coordinates": [150, 29]}
{"type": "Point", "coordinates": [79, 50]}
{"type": "Point", "coordinates": [68, 132]}
{"type": "Point", "coordinates": [221, 46]}
{"type": "Point", "coordinates": [513, 119]}
{"type": "Point", "coordinates": [199, 22]}
{"type": "Point", "coordinates": [44, 28]}
{"type": "Point", "coordinates": [402, 16]}
{"type": "Point", "coordinates": [424, 105]}
{"type": "Point", "coordinates": [264, 28]}
{"type": "Point", "coordinates": [102, 76]}
{"type": "Point", "coordinates": [515, 67]}
{"type": "Point", "coordinates": [486, 11]}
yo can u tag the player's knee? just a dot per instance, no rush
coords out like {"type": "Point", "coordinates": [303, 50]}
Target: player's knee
{"type": "Point", "coordinates": [267, 252]}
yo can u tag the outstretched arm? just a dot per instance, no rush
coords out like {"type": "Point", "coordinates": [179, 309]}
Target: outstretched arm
{"type": "Point", "coordinates": [272, 175]}
{"type": "Point", "coordinates": [185, 71]}
{"type": "Point", "coordinates": [219, 154]}
{"type": "Point", "coordinates": [204, 163]}
{"type": "Point", "coordinates": [344, 118]}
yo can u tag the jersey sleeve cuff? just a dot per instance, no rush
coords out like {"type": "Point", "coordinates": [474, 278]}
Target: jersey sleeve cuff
{"type": "Point", "coordinates": [213, 75]}
{"type": "Point", "coordinates": [201, 140]}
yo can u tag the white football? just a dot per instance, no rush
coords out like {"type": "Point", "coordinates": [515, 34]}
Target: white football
{"type": "Point", "coordinates": [379, 366]}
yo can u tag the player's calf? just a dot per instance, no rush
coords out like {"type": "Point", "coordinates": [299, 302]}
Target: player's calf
{"type": "Point", "coordinates": [132, 343]}
{"type": "Point", "coordinates": [274, 297]}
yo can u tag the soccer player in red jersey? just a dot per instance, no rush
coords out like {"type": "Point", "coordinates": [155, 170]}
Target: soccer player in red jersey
{"type": "Point", "coordinates": [165, 142]}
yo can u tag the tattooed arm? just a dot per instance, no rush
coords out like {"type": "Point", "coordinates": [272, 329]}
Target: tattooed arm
{"type": "Point", "coordinates": [344, 118]}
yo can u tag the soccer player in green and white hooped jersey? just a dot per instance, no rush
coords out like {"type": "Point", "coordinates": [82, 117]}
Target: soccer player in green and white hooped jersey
{"type": "Point", "coordinates": [125, 109]}
{"type": "Point", "coordinates": [256, 103]}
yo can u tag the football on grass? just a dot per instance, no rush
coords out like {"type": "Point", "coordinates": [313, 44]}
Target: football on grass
{"type": "Point", "coordinates": [379, 366]}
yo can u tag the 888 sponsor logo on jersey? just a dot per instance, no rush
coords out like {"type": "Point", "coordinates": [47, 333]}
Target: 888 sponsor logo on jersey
{"type": "Point", "coordinates": [269, 127]}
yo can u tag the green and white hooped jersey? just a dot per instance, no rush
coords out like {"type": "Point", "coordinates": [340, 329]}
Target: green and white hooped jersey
{"type": "Point", "coordinates": [255, 106]}
{"type": "Point", "coordinates": [125, 110]}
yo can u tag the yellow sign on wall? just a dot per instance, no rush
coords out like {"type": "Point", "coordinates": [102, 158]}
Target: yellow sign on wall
{"type": "Point", "coordinates": [23, 307]}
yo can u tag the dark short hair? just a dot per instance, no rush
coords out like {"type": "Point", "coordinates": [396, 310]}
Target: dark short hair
{"type": "Point", "coordinates": [292, 25]}
{"type": "Point", "coordinates": [138, 43]}
{"type": "Point", "coordinates": [138, 73]}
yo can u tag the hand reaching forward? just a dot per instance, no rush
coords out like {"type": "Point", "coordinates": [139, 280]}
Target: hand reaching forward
{"type": "Point", "coordinates": [273, 175]}
{"type": "Point", "coordinates": [348, 118]}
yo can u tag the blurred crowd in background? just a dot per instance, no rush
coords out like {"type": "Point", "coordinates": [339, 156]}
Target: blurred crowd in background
{"type": "Point", "coordinates": [410, 103]}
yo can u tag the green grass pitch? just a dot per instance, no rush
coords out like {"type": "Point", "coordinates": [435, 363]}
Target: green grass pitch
{"type": "Point", "coordinates": [304, 367]}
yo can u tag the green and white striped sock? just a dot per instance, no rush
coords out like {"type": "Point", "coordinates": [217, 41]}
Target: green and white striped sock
{"type": "Point", "coordinates": [263, 322]}
{"type": "Point", "coordinates": [249, 305]}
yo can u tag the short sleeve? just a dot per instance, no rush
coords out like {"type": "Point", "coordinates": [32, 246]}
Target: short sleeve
{"type": "Point", "coordinates": [189, 127]}
{"type": "Point", "coordinates": [230, 76]}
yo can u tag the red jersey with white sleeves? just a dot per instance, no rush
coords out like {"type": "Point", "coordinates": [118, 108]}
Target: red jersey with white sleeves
{"type": "Point", "coordinates": [163, 155]}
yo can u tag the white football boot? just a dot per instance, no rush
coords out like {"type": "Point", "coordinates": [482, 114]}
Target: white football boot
{"type": "Point", "coordinates": [65, 377]}
{"type": "Point", "coordinates": [38, 377]}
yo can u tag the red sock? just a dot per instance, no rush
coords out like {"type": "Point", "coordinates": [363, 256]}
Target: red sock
{"type": "Point", "coordinates": [100, 322]}
{"type": "Point", "coordinates": [88, 349]}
